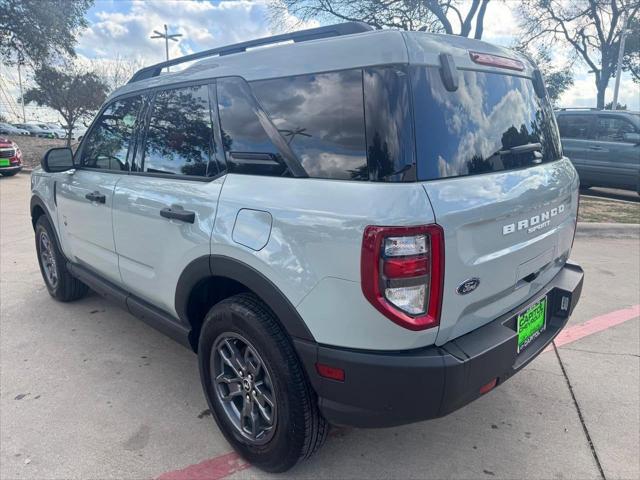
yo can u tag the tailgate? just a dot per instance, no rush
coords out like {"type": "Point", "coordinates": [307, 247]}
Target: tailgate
{"type": "Point", "coordinates": [511, 230]}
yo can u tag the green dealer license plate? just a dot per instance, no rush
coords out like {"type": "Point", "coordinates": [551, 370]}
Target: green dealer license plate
{"type": "Point", "coordinates": [4, 162]}
{"type": "Point", "coordinates": [531, 323]}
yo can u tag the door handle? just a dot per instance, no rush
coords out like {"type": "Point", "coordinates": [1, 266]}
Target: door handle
{"type": "Point", "coordinates": [176, 212]}
{"type": "Point", "coordinates": [595, 147]}
{"type": "Point", "coordinates": [96, 197]}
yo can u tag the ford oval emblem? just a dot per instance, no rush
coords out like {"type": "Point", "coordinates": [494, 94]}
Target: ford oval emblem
{"type": "Point", "coordinates": [468, 286]}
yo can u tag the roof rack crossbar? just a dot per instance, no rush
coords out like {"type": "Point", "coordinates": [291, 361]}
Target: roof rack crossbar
{"type": "Point", "coordinates": [300, 36]}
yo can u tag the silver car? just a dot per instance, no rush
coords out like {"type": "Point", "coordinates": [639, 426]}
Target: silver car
{"type": "Point", "coordinates": [604, 146]}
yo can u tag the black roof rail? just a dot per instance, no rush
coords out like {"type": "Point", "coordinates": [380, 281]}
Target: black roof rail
{"type": "Point", "coordinates": [564, 109]}
{"type": "Point", "coordinates": [300, 36]}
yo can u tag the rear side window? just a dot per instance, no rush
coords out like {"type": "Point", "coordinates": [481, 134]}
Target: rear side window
{"type": "Point", "coordinates": [179, 139]}
{"type": "Point", "coordinates": [479, 127]}
{"type": "Point", "coordinates": [107, 144]}
{"type": "Point", "coordinates": [575, 126]}
{"type": "Point", "coordinates": [613, 129]}
{"type": "Point", "coordinates": [321, 117]}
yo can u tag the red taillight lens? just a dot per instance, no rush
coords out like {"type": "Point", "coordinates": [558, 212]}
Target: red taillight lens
{"type": "Point", "coordinates": [402, 272]}
{"type": "Point", "coordinates": [496, 61]}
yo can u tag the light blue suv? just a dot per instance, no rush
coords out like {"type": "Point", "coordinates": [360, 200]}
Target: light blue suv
{"type": "Point", "coordinates": [357, 227]}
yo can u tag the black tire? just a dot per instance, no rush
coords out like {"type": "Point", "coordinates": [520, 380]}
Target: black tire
{"type": "Point", "coordinates": [9, 174]}
{"type": "Point", "coordinates": [299, 429]}
{"type": "Point", "coordinates": [66, 287]}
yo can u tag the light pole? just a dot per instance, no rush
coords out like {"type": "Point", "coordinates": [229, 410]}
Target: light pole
{"type": "Point", "coordinates": [20, 60]}
{"type": "Point", "coordinates": [166, 37]}
{"type": "Point", "coordinates": [623, 39]}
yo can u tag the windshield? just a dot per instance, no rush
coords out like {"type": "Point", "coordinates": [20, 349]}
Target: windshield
{"type": "Point", "coordinates": [491, 123]}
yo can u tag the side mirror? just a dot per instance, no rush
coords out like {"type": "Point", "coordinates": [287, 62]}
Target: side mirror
{"type": "Point", "coordinates": [632, 138]}
{"type": "Point", "coordinates": [57, 160]}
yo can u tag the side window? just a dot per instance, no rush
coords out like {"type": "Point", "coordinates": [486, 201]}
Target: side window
{"type": "Point", "coordinates": [179, 138]}
{"type": "Point", "coordinates": [612, 129]}
{"type": "Point", "coordinates": [321, 117]}
{"type": "Point", "coordinates": [248, 146]}
{"type": "Point", "coordinates": [574, 126]}
{"type": "Point", "coordinates": [107, 145]}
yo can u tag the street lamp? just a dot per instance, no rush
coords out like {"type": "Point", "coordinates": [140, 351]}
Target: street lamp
{"type": "Point", "coordinates": [166, 37]}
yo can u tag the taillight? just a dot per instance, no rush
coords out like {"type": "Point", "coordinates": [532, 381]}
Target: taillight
{"type": "Point", "coordinates": [402, 270]}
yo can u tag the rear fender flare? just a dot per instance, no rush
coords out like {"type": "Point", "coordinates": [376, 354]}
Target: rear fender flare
{"type": "Point", "coordinates": [227, 267]}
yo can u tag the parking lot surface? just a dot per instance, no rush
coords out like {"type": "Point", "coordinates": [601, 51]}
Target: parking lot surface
{"type": "Point", "coordinates": [88, 391]}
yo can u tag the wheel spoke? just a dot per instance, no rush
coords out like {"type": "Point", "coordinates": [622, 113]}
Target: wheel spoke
{"type": "Point", "coordinates": [252, 363]}
{"type": "Point", "coordinates": [231, 356]}
{"type": "Point", "coordinates": [234, 387]}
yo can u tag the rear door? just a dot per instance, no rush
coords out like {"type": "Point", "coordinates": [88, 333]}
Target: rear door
{"type": "Point", "coordinates": [490, 161]}
{"type": "Point", "coordinates": [615, 160]}
{"type": "Point", "coordinates": [164, 210]}
{"type": "Point", "coordinates": [85, 198]}
{"type": "Point", "coordinates": [577, 135]}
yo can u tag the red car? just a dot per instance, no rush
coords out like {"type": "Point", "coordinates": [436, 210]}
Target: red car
{"type": "Point", "coordinates": [10, 158]}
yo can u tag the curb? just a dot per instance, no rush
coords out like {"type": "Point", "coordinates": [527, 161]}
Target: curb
{"type": "Point", "coordinates": [608, 230]}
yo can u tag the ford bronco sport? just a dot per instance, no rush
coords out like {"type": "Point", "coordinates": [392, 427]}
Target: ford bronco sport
{"type": "Point", "coordinates": [355, 227]}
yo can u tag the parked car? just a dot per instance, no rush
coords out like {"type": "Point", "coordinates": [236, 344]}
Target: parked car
{"type": "Point", "coordinates": [34, 130]}
{"type": "Point", "coordinates": [376, 236]}
{"type": "Point", "coordinates": [57, 130]}
{"type": "Point", "coordinates": [603, 145]}
{"type": "Point", "coordinates": [10, 158]}
{"type": "Point", "coordinates": [8, 129]}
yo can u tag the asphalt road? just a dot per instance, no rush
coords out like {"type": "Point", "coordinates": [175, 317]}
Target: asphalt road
{"type": "Point", "coordinates": [87, 391]}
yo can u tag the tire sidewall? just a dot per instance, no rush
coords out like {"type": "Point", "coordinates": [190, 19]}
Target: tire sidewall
{"type": "Point", "coordinates": [285, 445]}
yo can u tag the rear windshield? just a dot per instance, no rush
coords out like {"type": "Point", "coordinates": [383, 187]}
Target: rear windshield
{"type": "Point", "coordinates": [475, 129]}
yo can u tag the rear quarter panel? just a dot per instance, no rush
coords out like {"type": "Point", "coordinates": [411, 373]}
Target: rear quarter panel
{"type": "Point", "coordinates": [313, 251]}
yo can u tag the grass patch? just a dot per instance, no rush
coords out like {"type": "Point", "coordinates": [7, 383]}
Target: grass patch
{"type": "Point", "coordinates": [608, 211]}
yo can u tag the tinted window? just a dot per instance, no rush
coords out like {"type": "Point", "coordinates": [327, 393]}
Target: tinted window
{"type": "Point", "coordinates": [612, 129]}
{"type": "Point", "coordinates": [179, 138]}
{"type": "Point", "coordinates": [574, 126]}
{"type": "Point", "coordinates": [474, 129]}
{"type": "Point", "coordinates": [107, 144]}
{"type": "Point", "coordinates": [321, 117]}
{"type": "Point", "coordinates": [248, 146]}
{"type": "Point", "coordinates": [390, 145]}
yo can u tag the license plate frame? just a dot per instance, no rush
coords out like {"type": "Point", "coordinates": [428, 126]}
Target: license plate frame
{"type": "Point", "coordinates": [531, 322]}
{"type": "Point", "coordinates": [5, 162]}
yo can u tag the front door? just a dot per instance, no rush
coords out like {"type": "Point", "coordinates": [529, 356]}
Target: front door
{"type": "Point", "coordinates": [85, 197]}
{"type": "Point", "coordinates": [164, 211]}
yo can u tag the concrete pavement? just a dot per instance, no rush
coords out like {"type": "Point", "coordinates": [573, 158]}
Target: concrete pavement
{"type": "Point", "coordinates": [87, 391]}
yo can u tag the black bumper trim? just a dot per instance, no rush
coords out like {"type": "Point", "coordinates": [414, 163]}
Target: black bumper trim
{"type": "Point", "coordinates": [383, 389]}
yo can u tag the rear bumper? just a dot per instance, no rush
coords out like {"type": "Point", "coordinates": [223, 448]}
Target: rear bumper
{"type": "Point", "coordinates": [383, 389]}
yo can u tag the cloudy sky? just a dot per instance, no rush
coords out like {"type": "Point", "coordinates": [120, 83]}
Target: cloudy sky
{"type": "Point", "coordinates": [120, 28]}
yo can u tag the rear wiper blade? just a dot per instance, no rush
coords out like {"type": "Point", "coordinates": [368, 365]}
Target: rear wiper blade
{"type": "Point", "coordinates": [527, 147]}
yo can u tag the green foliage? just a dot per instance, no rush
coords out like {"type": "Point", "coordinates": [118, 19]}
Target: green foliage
{"type": "Point", "coordinates": [631, 60]}
{"type": "Point", "coordinates": [609, 106]}
{"type": "Point", "coordinates": [74, 95]}
{"type": "Point", "coordinates": [39, 29]}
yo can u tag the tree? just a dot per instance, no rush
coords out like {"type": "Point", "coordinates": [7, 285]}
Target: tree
{"type": "Point", "coordinates": [37, 29]}
{"type": "Point", "coordinates": [620, 106]}
{"type": "Point", "coordinates": [75, 95]}
{"type": "Point", "coordinates": [591, 28]}
{"type": "Point", "coordinates": [456, 17]}
{"type": "Point", "coordinates": [118, 71]}
{"type": "Point", "coordinates": [631, 60]}
{"type": "Point", "coordinates": [556, 78]}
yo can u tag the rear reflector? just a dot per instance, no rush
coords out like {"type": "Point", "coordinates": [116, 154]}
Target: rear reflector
{"type": "Point", "coordinates": [489, 386]}
{"type": "Point", "coordinates": [402, 273]}
{"type": "Point", "coordinates": [496, 61]}
{"type": "Point", "coordinates": [327, 371]}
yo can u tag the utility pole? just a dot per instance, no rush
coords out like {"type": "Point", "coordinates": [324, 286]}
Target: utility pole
{"type": "Point", "coordinates": [166, 37]}
{"type": "Point", "coordinates": [20, 60]}
{"type": "Point", "coordinates": [623, 39]}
